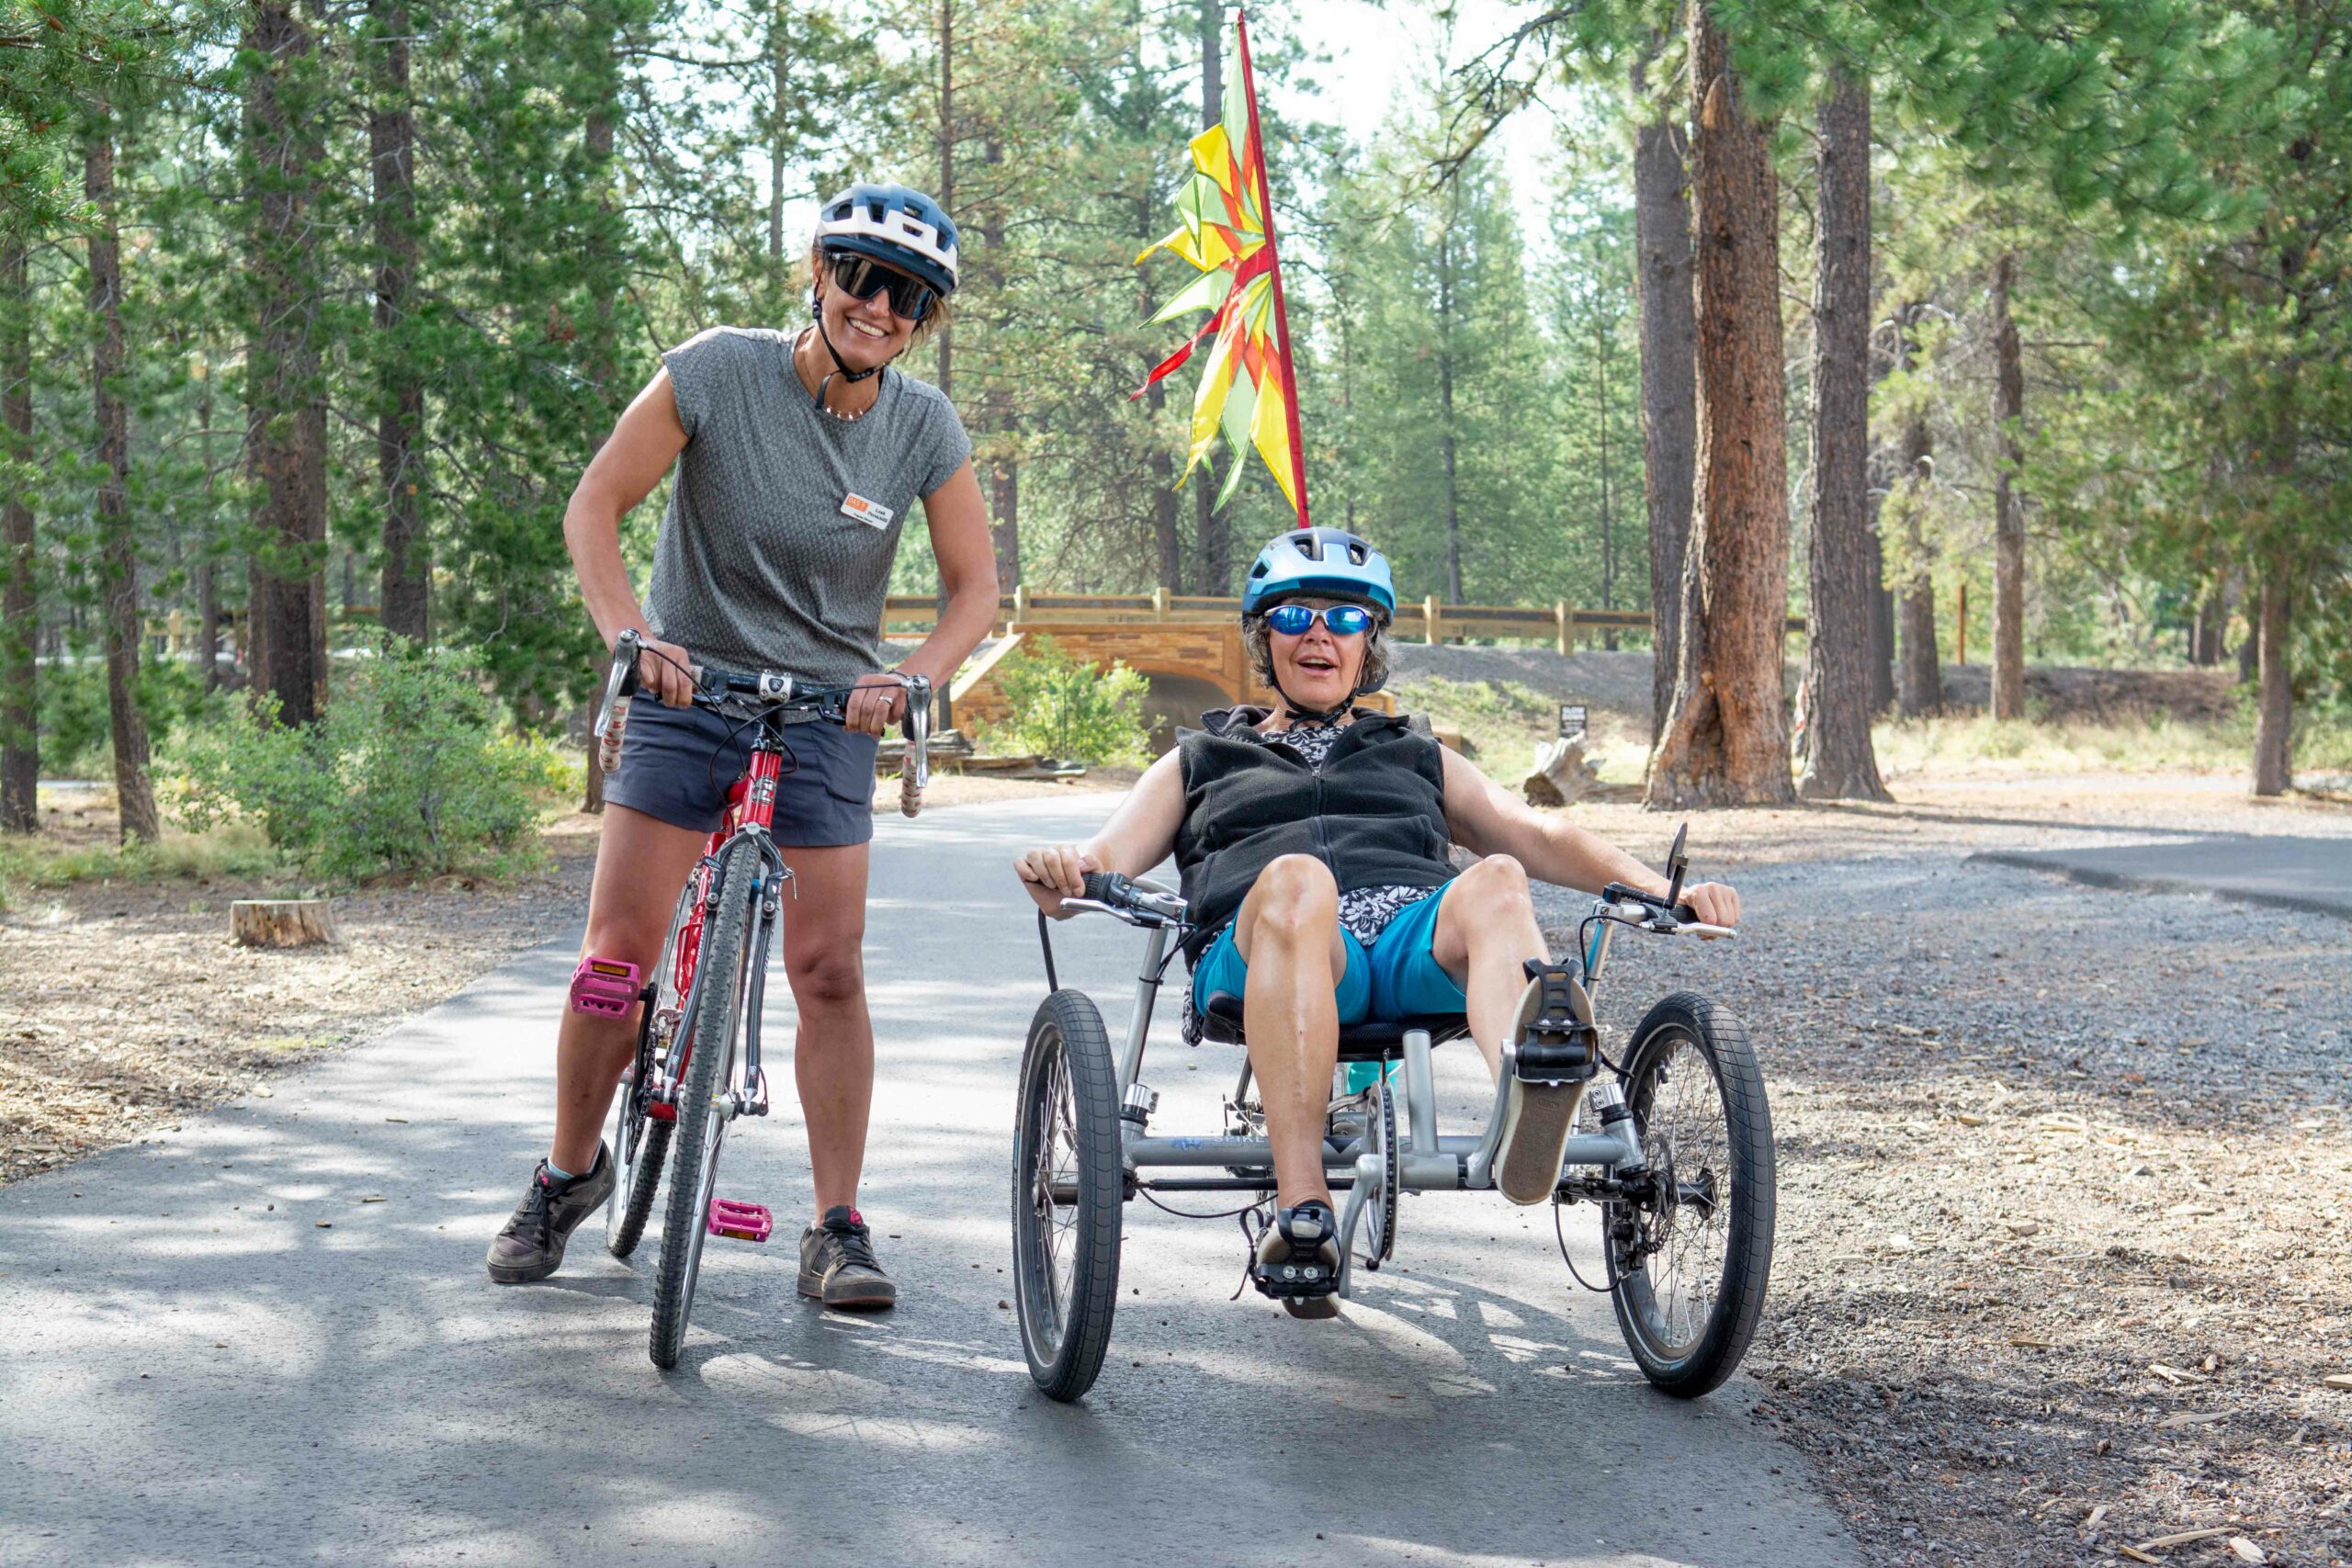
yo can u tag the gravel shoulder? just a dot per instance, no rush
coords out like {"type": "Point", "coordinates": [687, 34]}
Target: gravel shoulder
{"type": "Point", "coordinates": [2063, 1264]}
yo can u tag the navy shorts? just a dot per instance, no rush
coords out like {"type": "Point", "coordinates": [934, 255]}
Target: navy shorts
{"type": "Point", "coordinates": [677, 765]}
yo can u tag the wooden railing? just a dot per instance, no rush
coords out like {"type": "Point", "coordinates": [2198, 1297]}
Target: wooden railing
{"type": "Point", "coordinates": [1560, 624]}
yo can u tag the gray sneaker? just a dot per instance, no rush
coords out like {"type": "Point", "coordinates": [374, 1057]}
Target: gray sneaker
{"type": "Point", "coordinates": [531, 1247]}
{"type": "Point", "coordinates": [1538, 1114]}
{"type": "Point", "coordinates": [838, 1267]}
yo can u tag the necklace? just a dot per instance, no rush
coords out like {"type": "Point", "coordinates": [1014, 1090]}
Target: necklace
{"type": "Point", "coordinates": [792, 364]}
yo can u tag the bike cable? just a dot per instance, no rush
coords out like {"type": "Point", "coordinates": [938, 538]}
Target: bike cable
{"type": "Point", "coordinates": [1190, 1215]}
{"type": "Point", "coordinates": [1562, 1237]}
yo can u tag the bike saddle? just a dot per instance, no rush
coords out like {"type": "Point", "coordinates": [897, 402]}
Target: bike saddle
{"type": "Point", "coordinates": [1296, 1260]}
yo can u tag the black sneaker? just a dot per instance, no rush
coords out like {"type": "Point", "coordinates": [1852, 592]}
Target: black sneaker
{"type": "Point", "coordinates": [531, 1247]}
{"type": "Point", "coordinates": [1298, 1261]}
{"type": "Point", "coordinates": [837, 1264]}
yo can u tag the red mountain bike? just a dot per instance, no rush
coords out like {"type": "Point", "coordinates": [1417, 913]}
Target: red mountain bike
{"type": "Point", "coordinates": [697, 1062]}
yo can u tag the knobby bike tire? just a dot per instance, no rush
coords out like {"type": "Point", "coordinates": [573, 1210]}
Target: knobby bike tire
{"type": "Point", "coordinates": [716, 1018]}
{"type": "Point", "coordinates": [1065, 1341]}
{"type": "Point", "coordinates": [1714, 1353]}
{"type": "Point", "coordinates": [640, 1172]}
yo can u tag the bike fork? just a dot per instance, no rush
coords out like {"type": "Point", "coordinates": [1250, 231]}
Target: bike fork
{"type": "Point", "coordinates": [767, 913]}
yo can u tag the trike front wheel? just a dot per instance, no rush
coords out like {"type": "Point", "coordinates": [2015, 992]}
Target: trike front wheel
{"type": "Point", "coordinates": [1067, 1187]}
{"type": "Point", "coordinates": [1689, 1260]}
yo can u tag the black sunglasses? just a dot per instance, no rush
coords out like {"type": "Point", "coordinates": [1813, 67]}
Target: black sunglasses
{"type": "Point", "coordinates": [862, 277]}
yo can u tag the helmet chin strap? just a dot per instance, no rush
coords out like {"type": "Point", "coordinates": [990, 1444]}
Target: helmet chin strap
{"type": "Point", "coordinates": [1299, 710]}
{"type": "Point", "coordinates": [840, 369]}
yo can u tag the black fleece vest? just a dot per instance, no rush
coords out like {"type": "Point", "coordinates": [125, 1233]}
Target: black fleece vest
{"type": "Point", "coordinates": [1375, 814]}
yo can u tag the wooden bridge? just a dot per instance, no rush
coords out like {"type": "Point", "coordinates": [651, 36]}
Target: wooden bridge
{"type": "Point", "coordinates": [1189, 647]}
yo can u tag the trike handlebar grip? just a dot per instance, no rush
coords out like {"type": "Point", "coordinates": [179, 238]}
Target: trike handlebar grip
{"type": "Point", "coordinates": [1106, 887]}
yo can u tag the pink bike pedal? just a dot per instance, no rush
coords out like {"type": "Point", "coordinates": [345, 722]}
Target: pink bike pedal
{"type": "Point", "coordinates": [604, 987]}
{"type": "Point", "coordinates": [745, 1221]}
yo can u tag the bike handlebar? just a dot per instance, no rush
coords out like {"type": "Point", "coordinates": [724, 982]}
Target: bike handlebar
{"type": "Point", "coordinates": [713, 687]}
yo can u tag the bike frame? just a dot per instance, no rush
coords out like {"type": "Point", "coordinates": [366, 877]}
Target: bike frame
{"type": "Point", "coordinates": [751, 814]}
{"type": "Point", "coordinates": [1429, 1160]}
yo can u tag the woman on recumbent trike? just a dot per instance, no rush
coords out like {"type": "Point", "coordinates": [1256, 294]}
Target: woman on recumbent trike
{"type": "Point", "coordinates": [1312, 844]}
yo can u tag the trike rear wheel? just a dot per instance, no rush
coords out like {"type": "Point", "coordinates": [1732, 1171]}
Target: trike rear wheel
{"type": "Point", "coordinates": [1689, 1266]}
{"type": "Point", "coordinates": [1066, 1192]}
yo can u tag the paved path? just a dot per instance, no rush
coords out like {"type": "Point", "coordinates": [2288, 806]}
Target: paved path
{"type": "Point", "coordinates": [2312, 874]}
{"type": "Point", "coordinates": [220, 1350]}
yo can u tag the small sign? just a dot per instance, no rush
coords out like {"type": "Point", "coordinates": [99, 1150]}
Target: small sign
{"type": "Point", "coordinates": [1572, 717]}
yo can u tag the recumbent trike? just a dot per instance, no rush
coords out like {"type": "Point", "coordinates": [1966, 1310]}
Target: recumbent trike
{"type": "Point", "coordinates": [1678, 1160]}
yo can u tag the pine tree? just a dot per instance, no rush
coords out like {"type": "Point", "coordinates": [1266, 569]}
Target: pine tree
{"type": "Point", "coordinates": [1838, 761]}
{"type": "Point", "coordinates": [1725, 739]}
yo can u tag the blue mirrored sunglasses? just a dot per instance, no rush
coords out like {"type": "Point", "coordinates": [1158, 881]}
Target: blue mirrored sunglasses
{"type": "Point", "coordinates": [1345, 620]}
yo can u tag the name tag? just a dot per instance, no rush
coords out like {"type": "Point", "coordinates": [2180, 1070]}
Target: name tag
{"type": "Point", "coordinates": [872, 513]}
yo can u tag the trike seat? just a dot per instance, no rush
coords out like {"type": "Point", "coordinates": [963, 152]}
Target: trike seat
{"type": "Point", "coordinates": [1374, 1040]}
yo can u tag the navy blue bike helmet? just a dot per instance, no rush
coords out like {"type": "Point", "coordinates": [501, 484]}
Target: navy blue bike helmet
{"type": "Point", "coordinates": [892, 223]}
{"type": "Point", "coordinates": [1331, 563]}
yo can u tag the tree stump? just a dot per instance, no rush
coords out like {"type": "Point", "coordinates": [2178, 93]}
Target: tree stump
{"type": "Point", "coordinates": [1560, 775]}
{"type": "Point", "coordinates": [281, 922]}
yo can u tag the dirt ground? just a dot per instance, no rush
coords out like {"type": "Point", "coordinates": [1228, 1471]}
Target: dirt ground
{"type": "Point", "coordinates": [2063, 1269]}
{"type": "Point", "coordinates": [124, 1005]}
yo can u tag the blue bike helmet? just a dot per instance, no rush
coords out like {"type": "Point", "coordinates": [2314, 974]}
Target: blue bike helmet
{"type": "Point", "coordinates": [892, 223]}
{"type": "Point", "coordinates": [1329, 562]}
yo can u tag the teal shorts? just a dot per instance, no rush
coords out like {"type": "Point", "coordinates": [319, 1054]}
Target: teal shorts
{"type": "Point", "coordinates": [1397, 977]}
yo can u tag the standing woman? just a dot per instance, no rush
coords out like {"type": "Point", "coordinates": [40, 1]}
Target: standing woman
{"type": "Point", "coordinates": [797, 455]}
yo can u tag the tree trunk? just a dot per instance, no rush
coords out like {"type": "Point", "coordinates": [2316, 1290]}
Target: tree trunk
{"type": "Point", "coordinates": [1608, 498]}
{"type": "Point", "coordinates": [1004, 462]}
{"type": "Point", "coordinates": [208, 571]}
{"type": "Point", "coordinates": [1726, 738]}
{"type": "Point", "coordinates": [945, 195]}
{"type": "Point", "coordinates": [2274, 746]}
{"type": "Point", "coordinates": [117, 559]}
{"type": "Point", "coordinates": [1882, 619]}
{"type": "Point", "coordinates": [403, 595]}
{"type": "Point", "coordinates": [1919, 691]}
{"type": "Point", "coordinates": [1168, 545]}
{"type": "Point", "coordinates": [1662, 280]}
{"type": "Point", "coordinates": [601, 126]}
{"type": "Point", "coordinates": [1839, 763]}
{"type": "Point", "coordinates": [286, 407]}
{"type": "Point", "coordinates": [2008, 502]}
{"type": "Point", "coordinates": [1445, 441]}
{"type": "Point", "coordinates": [1004, 503]}
{"type": "Point", "coordinates": [20, 605]}
{"type": "Point", "coordinates": [2205, 631]}
{"type": "Point", "coordinates": [780, 61]}
{"type": "Point", "coordinates": [1212, 522]}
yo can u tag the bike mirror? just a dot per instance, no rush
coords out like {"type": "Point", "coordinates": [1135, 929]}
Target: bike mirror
{"type": "Point", "coordinates": [1676, 862]}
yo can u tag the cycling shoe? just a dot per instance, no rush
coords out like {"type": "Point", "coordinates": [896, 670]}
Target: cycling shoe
{"type": "Point", "coordinates": [1298, 1261]}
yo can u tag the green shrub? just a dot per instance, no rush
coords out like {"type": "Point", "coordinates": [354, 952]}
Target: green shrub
{"type": "Point", "coordinates": [1065, 708]}
{"type": "Point", "coordinates": [76, 732]}
{"type": "Point", "coordinates": [408, 771]}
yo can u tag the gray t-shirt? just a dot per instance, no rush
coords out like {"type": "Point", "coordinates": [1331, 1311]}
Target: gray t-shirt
{"type": "Point", "coordinates": [760, 564]}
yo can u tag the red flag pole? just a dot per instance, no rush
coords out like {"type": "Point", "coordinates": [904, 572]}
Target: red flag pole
{"type": "Point", "coordinates": [1274, 267]}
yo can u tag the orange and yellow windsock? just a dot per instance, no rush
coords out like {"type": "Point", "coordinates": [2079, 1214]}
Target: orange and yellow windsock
{"type": "Point", "coordinates": [1248, 391]}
